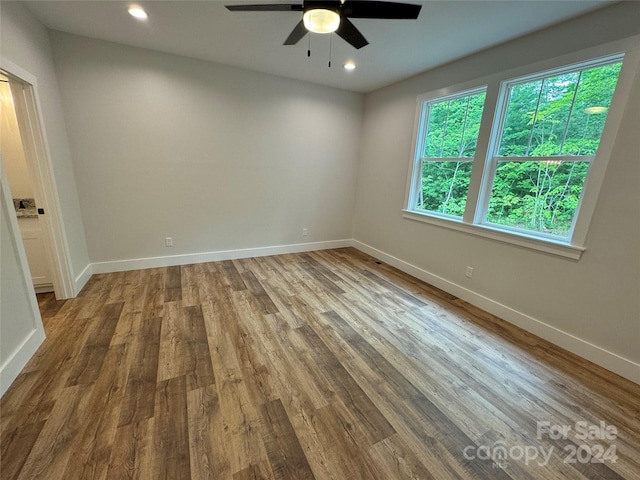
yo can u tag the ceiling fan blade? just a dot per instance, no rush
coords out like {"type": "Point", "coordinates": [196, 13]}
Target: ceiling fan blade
{"type": "Point", "coordinates": [350, 34]}
{"type": "Point", "coordinates": [277, 7]}
{"type": "Point", "coordinates": [375, 9]}
{"type": "Point", "coordinates": [296, 34]}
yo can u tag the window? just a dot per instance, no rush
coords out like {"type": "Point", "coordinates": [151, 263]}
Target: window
{"type": "Point", "coordinates": [447, 146]}
{"type": "Point", "coordinates": [527, 178]}
{"type": "Point", "coordinates": [549, 135]}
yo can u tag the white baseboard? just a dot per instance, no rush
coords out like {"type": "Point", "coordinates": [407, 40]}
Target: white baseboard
{"type": "Point", "coordinates": [606, 359]}
{"type": "Point", "coordinates": [46, 288]}
{"type": "Point", "coordinates": [186, 259]}
{"type": "Point", "coordinates": [609, 360]}
{"type": "Point", "coordinates": [12, 367]}
{"type": "Point", "coordinates": [81, 280]}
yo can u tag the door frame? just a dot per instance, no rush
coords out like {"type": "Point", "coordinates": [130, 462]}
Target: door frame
{"type": "Point", "coordinates": [24, 90]}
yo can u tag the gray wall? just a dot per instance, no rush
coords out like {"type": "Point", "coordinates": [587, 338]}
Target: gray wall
{"type": "Point", "coordinates": [594, 299]}
{"type": "Point", "coordinates": [217, 157]}
{"type": "Point", "coordinates": [21, 329]}
{"type": "Point", "coordinates": [24, 41]}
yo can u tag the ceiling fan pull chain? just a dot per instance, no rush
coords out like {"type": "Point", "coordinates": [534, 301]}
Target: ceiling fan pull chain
{"type": "Point", "coordinates": [330, 38]}
{"type": "Point", "coordinates": [309, 47]}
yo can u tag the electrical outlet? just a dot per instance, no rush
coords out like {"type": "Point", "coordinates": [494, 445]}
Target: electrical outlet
{"type": "Point", "coordinates": [469, 273]}
{"type": "Point", "coordinates": [305, 232]}
{"type": "Point", "coordinates": [168, 241]}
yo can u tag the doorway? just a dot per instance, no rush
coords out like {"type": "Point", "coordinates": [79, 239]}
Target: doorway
{"type": "Point", "coordinates": [21, 186]}
{"type": "Point", "coordinates": [30, 176]}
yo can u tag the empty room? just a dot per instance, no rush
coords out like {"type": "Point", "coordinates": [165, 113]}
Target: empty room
{"type": "Point", "coordinates": [333, 239]}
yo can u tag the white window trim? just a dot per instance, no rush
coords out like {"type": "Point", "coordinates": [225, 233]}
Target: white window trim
{"type": "Point", "coordinates": [419, 144]}
{"type": "Point", "coordinates": [473, 213]}
{"type": "Point", "coordinates": [501, 235]}
{"type": "Point", "coordinates": [493, 158]}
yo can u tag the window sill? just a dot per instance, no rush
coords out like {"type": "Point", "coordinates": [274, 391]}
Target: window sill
{"type": "Point", "coordinates": [542, 245]}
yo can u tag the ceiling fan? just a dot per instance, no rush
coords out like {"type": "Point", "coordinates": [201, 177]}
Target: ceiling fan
{"type": "Point", "coordinates": [333, 16]}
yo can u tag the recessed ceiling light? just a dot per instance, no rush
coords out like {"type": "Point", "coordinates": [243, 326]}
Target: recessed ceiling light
{"type": "Point", "coordinates": [137, 12]}
{"type": "Point", "coordinates": [349, 66]}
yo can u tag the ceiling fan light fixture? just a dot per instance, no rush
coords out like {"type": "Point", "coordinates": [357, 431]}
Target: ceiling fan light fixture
{"type": "Point", "coordinates": [321, 20]}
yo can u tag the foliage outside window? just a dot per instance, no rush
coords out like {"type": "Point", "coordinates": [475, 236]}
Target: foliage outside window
{"type": "Point", "coordinates": [533, 170]}
{"type": "Point", "coordinates": [448, 147]}
{"type": "Point", "coordinates": [549, 136]}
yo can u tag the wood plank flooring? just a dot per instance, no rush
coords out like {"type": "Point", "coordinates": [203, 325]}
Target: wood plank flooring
{"type": "Point", "coordinates": [323, 365]}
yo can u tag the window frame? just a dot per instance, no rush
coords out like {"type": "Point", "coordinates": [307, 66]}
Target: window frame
{"type": "Point", "coordinates": [483, 206]}
{"type": "Point", "coordinates": [484, 165]}
{"type": "Point", "coordinates": [425, 105]}
{"type": "Point", "coordinates": [493, 156]}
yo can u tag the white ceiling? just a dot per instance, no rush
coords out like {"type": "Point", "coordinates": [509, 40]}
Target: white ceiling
{"type": "Point", "coordinates": [446, 30]}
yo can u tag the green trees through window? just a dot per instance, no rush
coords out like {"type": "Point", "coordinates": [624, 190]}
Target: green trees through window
{"type": "Point", "coordinates": [545, 138]}
{"type": "Point", "coordinates": [559, 119]}
{"type": "Point", "coordinates": [451, 135]}
{"type": "Point", "coordinates": [540, 196]}
{"type": "Point", "coordinates": [444, 187]}
{"type": "Point", "coordinates": [453, 127]}
{"type": "Point", "coordinates": [559, 115]}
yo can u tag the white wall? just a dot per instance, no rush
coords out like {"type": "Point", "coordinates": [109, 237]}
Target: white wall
{"type": "Point", "coordinates": [24, 42]}
{"type": "Point", "coordinates": [590, 306]}
{"type": "Point", "coordinates": [217, 157]}
{"type": "Point", "coordinates": [21, 330]}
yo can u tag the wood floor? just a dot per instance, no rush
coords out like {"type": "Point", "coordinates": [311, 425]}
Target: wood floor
{"type": "Point", "coordinates": [325, 365]}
